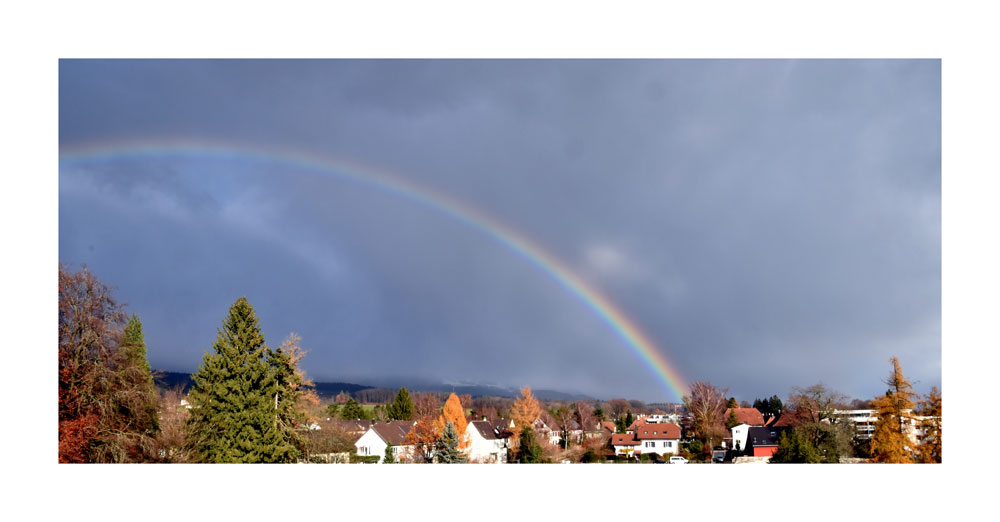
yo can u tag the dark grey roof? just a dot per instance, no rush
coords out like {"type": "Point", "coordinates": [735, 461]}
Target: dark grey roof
{"type": "Point", "coordinates": [764, 435]}
{"type": "Point", "coordinates": [487, 430]}
{"type": "Point", "coordinates": [502, 429]}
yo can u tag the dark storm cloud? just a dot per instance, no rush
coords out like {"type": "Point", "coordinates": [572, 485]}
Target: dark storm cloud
{"type": "Point", "coordinates": [768, 223]}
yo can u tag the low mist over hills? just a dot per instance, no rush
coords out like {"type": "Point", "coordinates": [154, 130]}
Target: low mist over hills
{"type": "Point", "coordinates": [170, 380]}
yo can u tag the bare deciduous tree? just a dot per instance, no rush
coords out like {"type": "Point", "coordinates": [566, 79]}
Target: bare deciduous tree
{"type": "Point", "coordinates": [814, 404]}
{"type": "Point", "coordinates": [426, 405]}
{"type": "Point", "coordinates": [707, 406]}
{"type": "Point", "coordinates": [170, 444]}
{"type": "Point", "coordinates": [619, 407]}
{"type": "Point", "coordinates": [585, 416]}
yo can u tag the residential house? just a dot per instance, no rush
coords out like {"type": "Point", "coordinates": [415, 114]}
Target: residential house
{"type": "Point", "coordinates": [660, 438]}
{"type": "Point", "coordinates": [488, 442]}
{"type": "Point", "coordinates": [746, 418]}
{"type": "Point", "coordinates": [544, 431]}
{"type": "Point", "coordinates": [762, 441]}
{"type": "Point", "coordinates": [575, 433]}
{"type": "Point", "coordinates": [594, 431]}
{"type": "Point", "coordinates": [625, 443]}
{"type": "Point", "coordinates": [381, 434]}
{"type": "Point", "coordinates": [739, 436]}
{"type": "Point", "coordinates": [672, 418]}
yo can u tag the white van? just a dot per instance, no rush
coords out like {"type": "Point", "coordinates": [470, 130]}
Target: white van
{"type": "Point", "coordinates": [678, 460]}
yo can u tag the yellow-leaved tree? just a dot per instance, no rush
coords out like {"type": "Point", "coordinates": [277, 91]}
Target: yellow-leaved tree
{"type": "Point", "coordinates": [524, 411]}
{"type": "Point", "coordinates": [454, 413]}
{"type": "Point", "coordinates": [890, 440]}
{"type": "Point", "coordinates": [308, 399]}
{"type": "Point", "coordinates": [929, 446]}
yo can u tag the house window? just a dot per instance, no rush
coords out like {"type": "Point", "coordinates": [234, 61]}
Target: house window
{"type": "Point", "coordinates": [650, 444]}
{"type": "Point", "coordinates": [668, 444]}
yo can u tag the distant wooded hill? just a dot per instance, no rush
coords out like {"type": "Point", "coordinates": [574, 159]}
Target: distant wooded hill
{"type": "Point", "coordinates": [373, 394]}
{"type": "Point", "coordinates": [170, 380]}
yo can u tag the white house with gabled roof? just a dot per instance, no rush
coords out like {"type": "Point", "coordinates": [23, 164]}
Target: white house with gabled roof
{"type": "Point", "coordinates": [380, 435]}
{"type": "Point", "coordinates": [488, 442]}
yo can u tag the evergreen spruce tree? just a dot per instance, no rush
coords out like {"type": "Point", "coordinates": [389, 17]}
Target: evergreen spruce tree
{"type": "Point", "coordinates": [447, 451]}
{"type": "Point", "coordinates": [238, 399]}
{"type": "Point", "coordinates": [139, 377]}
{"type": "Point", "coordinates": [134, 344]}
{"type": "Point", "coordinates": [389, 457]}
{"type": "Point", "coordinates": [529, 451]}
{"type": "Point", "coordinates": [732, 421]}
{"type": "Point", "coordinates": [287, 390]}
{"type": "Point", "coordinates": [402, 407]}
{"type": "Point", "coordinates": [794, 447]}
{"type": "Point", "coordinates": [629, 419]}
{"type": "Point", "coordinates": [351, 410]}
{"type": "Point", "coordinates": [774, 405]}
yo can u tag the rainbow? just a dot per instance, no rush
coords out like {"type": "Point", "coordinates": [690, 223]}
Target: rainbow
{"type": "Point", "coordinates": [601, 306]}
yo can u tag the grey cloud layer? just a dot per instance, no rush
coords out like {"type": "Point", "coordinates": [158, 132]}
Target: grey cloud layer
{"type": "Point", "coordinates": [768, 223]}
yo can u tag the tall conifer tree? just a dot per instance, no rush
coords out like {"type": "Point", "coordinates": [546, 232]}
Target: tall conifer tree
{"type": "Point", "coordinates": [402, 408]}
{"type": "Point", "coordinates": [448, 451]}
{"type": "Point", "coordinates": [134, 344]}
{"type": "Point", "coordinates": [390, 455]}
{"type": "Point", "coordinates": [287, 392]}
{"type": "Point", "coordinates": [929, 446]}
{"type": "Point", "coordinates": [237, 412]}
{"type": "Point", "coordinates": [890, 441]}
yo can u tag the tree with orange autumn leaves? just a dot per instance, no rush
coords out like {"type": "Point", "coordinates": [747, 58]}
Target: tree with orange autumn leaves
{"type": "Point", "coordinates": [107, 400]}
{"type": "Point", "coordinates": [524, 412]}
{"type": "Point", "coordinates": [429, 425]}
{"type": "Point", "coordinates": [454, 413]}
{"type": "Point", "coordinates": [307, 396]}
{"type": "Point", "coordinates": [929, 442]}
{"type": "Point", "coordinates": [890, 440]}
{"type": "Point", "coordinates": [424, 432]}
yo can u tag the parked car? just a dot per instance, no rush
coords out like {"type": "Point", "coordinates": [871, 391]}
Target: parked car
{"type": "Point", "coordinates": [678, 460]}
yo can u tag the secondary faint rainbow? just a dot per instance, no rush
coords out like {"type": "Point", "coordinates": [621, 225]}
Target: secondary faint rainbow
{"type": "Point", "coordinates": [343, 169]}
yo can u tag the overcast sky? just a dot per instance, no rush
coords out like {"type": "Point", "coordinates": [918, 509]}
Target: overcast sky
{"type": "Point", "coordinates": [768, 224]}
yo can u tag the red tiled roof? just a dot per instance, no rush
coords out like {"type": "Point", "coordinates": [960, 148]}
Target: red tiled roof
{"type": "Point", "coordinates": [749, 416]}
{"type": "Point", "coordinates": [786, 419]}
{"type": "Point", "coordinates": [658, 431]}
{"type": "Point", "coordinates": [608, 425]}
{"type": "Point", "coordinates": [624, 439]}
